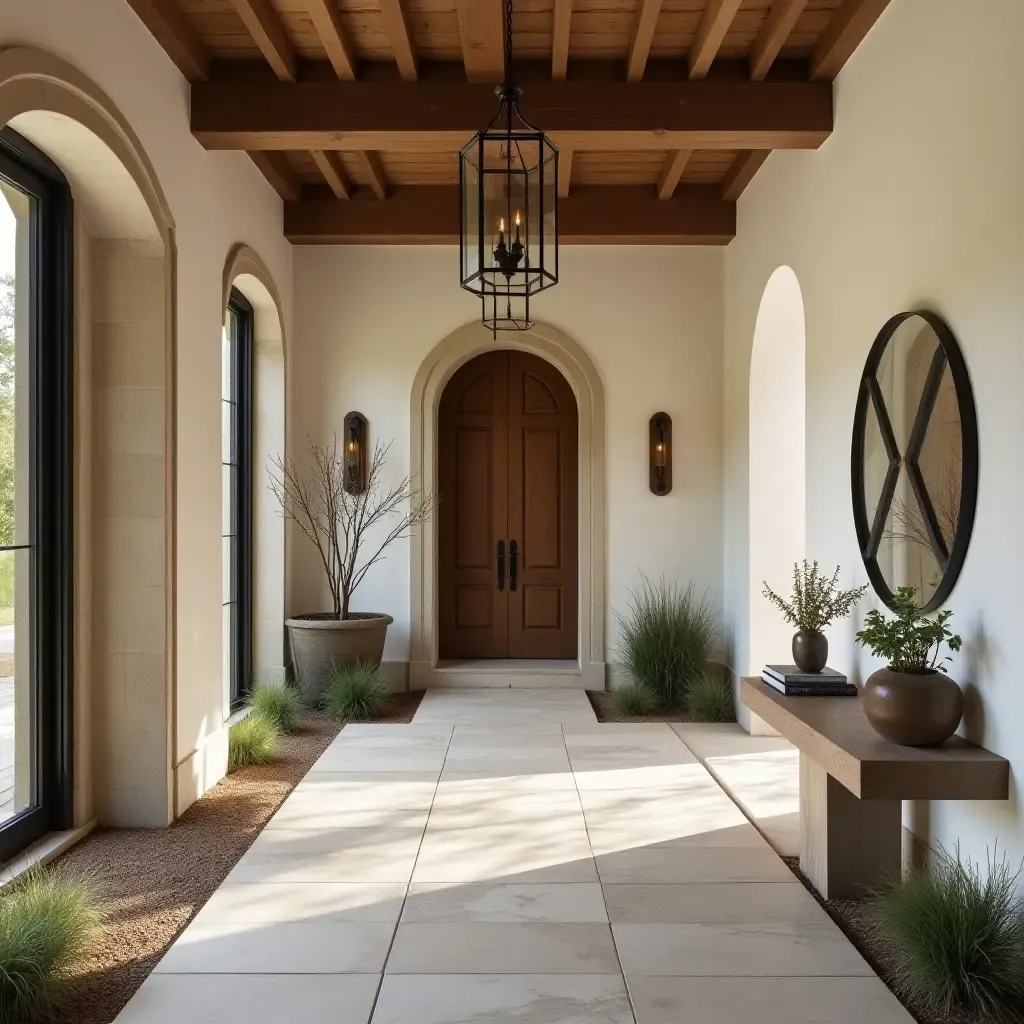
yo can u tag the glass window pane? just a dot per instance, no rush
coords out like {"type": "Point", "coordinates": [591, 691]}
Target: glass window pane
{"type": "Point", "coordinates": [226, 361]}
{"type": "Point", "coordinates": [227, 564]}
{"type": "Point", "coordinates": [16, 674]}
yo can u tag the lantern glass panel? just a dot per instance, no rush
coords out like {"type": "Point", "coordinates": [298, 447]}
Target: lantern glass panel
{"type": "Point", "coordinates": [470, 241]}
{"type": "Point", "coordinates": [549, 213]}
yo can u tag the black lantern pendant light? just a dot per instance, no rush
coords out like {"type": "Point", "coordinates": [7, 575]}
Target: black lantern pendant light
{"type": "Point", "coordinates": [508, 186]}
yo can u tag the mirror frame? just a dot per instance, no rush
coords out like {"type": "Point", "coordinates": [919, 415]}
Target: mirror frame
{"type": "Point", "coordinates": [869, 534]}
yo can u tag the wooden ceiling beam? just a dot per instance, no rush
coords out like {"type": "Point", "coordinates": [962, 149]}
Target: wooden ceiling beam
{"type": "Point", "coordinates": [773, 35]}
{"type": "Point", "coordinates": [334, 174]}
{"type": "Point", "coordinates": [279, 172]}
{"type": "Point", "coordinates": [373, 170]}
{"type": "Point", "coordinates": [327, 23]}
{"type": "Point", "coordinates": [482, 36]}
{"type": "Point", "coordinates": [403, 44]}
{"type": "Point", "coordinates": [740, 174]}
{"type": "Point", "coordinates": [583, 116]}
{"type": "Point", "coordinates": [564, 172]}
{"type": "Point", "coordinates": [429, 215]}
{"type": "Point", "coordinates": [717, 18]}
{"type": "Point", "coordinates": [675, 164]}
{"type": "Point", "coordinates": [843, 34]}
{"type": "Point", "coordinates": [641, 38]}
{"type": "Point", "coordinates": [560, 39]}
{"type": "Point", "coordinates": [268, 32]}
{"type": "Point", "coordinates": [164, 18]}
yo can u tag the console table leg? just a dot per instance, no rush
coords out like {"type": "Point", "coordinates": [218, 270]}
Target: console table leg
{"type": "Point", "coordinates": [848, 845]}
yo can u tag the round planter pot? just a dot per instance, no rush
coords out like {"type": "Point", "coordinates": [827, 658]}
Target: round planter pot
{"type": "Point", "coordinates": [810, 650]}
{"type": "Point", "coordinates": [322, 644]}
{"type": "Point", "coordinates": [912, 710]}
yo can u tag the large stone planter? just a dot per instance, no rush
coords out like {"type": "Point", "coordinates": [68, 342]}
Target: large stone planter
{"type": "Point", "coordinates": [914, 710]}
{"type": "Point", "coordinates": [321, 645]}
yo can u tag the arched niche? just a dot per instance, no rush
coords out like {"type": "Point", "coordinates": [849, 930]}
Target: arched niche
{"type": "Point", "coordinates": [124, 543]}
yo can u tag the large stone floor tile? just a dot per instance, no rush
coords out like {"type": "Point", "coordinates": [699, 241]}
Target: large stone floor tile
{"type": "Point", "coordinates": [334, 855]}
{"type": "Point", "coordinates": [652, 778]}
{"type": "Point", "coordinates": [490, 999]}
{"type": "Point", "coordinates": [271, 902]}
{"type": "Point", "coordinates": [765, 1001]}
{"type": "Point", "coordinates": [344, 759]}
{"type": "Point", "coordinates": [669, 863]}
{"type": "Point", "coordinates": [369, 790]}
{"type": "Point", "coordinates": [219, 947]}
{"type": "Point", "coordinates": [741, 836]}
{"type": "Point", "coordinates": [487, 903]}
{"type": "Point", "coordinates": [507, 783]}
{"type": "Point", "coordinates": [311, 811]}
{"type": "Point", "coordinates": [731, 903]}
{"type": "Point", "coordinates": [530, 948]}
{"type": "Point", "coordinates": [737, 950]}
{"type": "Point", "coordinates": [252, 999]}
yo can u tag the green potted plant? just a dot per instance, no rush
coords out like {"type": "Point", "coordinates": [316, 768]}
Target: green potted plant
{"type": "Point", "coordinates": [911, 701]}
{"type": "Point", "coordinates": [816, 602]}
{"type": "Point", "coordinates": [351, 530]}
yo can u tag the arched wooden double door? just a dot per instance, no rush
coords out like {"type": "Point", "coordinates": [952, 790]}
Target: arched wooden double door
{"type": "Point", "coordinates": [507, 517]}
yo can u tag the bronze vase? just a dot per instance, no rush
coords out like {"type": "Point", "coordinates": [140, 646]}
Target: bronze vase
{"type": "Point", "coordinates": [912, 709]}
{"type": "Point", "coordinates": [810, 650]}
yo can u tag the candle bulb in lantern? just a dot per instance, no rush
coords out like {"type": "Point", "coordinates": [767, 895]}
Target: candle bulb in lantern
{"type": "Point", "coordinates": [501, 232]}
{"type": "Point", "coordinates": [517, 227]}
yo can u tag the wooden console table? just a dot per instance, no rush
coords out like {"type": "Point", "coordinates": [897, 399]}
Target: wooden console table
{"type": "Point", "coordinates": [852, 784]}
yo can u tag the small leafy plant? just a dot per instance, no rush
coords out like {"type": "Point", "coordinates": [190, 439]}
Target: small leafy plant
{"type": "Point", "coordinates": [817, 600]}
{"type": "Point", "coordinates": [960, 936]}
{"type": "Point", "coordinates": [355, 693]}
{"type": "Point", "coordinates": [909, 641]}
{"type": "Point", "coordinates": [253, 740]}
{"type": "Point", "coordinates": [46, 920]}
{"type": "Point", "coordinates": [711, 699]}
{"type": "Point", "coordinates": [278, 703]}
{"type": "Point", "coordinates": [634, 699]}
{"type": "Point", "coordinates": [667, 637]}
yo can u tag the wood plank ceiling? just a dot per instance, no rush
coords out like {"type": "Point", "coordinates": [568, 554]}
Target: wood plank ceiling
{"type": "Point", "coordinates": [663, 110]}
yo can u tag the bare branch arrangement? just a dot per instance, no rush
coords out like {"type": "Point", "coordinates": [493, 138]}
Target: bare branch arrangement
{"type": "Point", "coordinates": [339, 523]}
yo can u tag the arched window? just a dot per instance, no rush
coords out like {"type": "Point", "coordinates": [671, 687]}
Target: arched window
{"type": "Point", "coordinates": [236, 458]}
{"type": "Point", "coordinates": [35, 495]}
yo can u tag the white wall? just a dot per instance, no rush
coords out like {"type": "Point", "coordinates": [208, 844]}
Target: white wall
{"type": "Point", "coordinates": [217, 200]}
{"type": "Point", "coordinates": [650, 318]}
{"type": "Point", "coordinates": [916, 200]}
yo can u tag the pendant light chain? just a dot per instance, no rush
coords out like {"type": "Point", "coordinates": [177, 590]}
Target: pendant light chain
{"type": "Point", "coordinates": [508, 42]}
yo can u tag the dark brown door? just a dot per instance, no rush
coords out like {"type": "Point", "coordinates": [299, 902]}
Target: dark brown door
{"type": "Point", "coordinates": [507, 475]}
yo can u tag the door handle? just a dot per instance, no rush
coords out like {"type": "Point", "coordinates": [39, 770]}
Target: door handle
{"type": "Point", "coordinates": [501, 565]}
{"type": "Point", "coordinates": [513, 559]}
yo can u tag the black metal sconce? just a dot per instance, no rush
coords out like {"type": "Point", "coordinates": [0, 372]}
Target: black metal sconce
{"type": "Point", "coordinates": [661, 453]}
{"type": "Point", "coordinates": [355, 453]}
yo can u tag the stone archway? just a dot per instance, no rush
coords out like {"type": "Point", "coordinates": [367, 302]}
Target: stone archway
{"type": "Point", "coordinates": [575, 365]}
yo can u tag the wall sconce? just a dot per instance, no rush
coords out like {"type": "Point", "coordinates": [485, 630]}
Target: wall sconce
{"type": "Point", "coordinates": [661, 453]}
{"type": "Point", "coordinates": [355, 453]}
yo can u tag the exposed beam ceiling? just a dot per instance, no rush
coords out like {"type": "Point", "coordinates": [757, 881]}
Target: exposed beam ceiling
{"type": "Point", "coordinates": [717, 18]}
{"type": "Point", "coordinates": [742, 172]}
{"type": "Point", "coordinates": [430, 215]}
{"type": "Point", "coordinates": [165, 20]}
{"type": "Point", "coordinates": [564, 172]}
{"type": "Point", "coordinates": [583, 116]}
{"type": "Point", "coordinates": [334, 174]}
{"type": "Point", "coordinates": [279, 172]}
{"type": "Point", "coordinates": [641, 39]}
{"type": "Point", "coordinates": [327, 22]}
{"type": "Point", "coordinates": [773, 35]}
{"type": "Point", "coordinates": [373, 169]}
{"type": "Point", "coordinates": [482, 35]}
{"type": "Point", "coordinates": [265, 27]}
{"type": "Point", "coordinates": [675, 164]}
{"type": "Point", "coordinates": [396, 24]}
{"type": "Point", "coordinates": [560, 39]}
{"type": "Point", "coordinates": [843, 34]}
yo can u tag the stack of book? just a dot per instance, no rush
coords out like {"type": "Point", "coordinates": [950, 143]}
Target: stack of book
{"type": "Point", "coordinates": [788, 679]}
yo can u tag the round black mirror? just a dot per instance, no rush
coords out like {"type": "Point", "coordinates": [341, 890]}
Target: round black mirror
{"type": "Point", "coordinates": [915, 459]}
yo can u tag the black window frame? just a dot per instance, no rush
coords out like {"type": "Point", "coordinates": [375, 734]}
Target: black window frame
{"type": "Point", "coordinates": [51, 492]}
{"type": "Point", "coordinates": [241, 512]}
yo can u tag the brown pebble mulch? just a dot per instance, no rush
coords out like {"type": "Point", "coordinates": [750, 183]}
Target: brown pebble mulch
{"type": "Point", "coordinates": [604, 707]}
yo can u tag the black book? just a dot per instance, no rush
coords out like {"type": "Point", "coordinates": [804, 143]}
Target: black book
{"type": "Point", "coordinates": [829, 689]}
{"type": "Point", "coordinates": [791, 674]}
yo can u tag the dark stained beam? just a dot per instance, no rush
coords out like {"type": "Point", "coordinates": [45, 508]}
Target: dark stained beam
{"type": "Point", "coordinates": [564, 172]}
{"type": "Point", "coordinates": [267, 30]}
{"type": "Point", "coordinates": [641, 38]}
{"type": "Point", "coordinates": [327, 22]}
{"type": "Point", "coordinates": [399, 30]}
{"type": "Point", "coordinates": [741, 173]}
{"type": "Point", "coordinates": [429, 215]}
{"type": "Point", "coordinates": [373, 169]}
{"type": "Point", "coordinates": [843, 34]}
{"type": "Point", "coordinates": [164, 18]}
{"type": "Point", "coordinates": [717, 18]}
{"type": "Point", "coordinates": [431, 116]}
{"type": "Point", "coordinates": [482, 35]}
{"type": "Point", "coordinates": [560, 39]}
{"type": "Point", "coordinates": [773, 35]}
{"type": "Point", "coordinates": [333, 172]}
{"type": "Point", "coordinates": [279, 172]}
{"type": "Point", "coordinates": [675, 164]}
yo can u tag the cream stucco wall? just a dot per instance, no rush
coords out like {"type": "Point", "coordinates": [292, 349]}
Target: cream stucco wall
{"type": "Point", "coordinates": [916, 200]}
{"type": "Point", "coordinates": [650, 320]}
